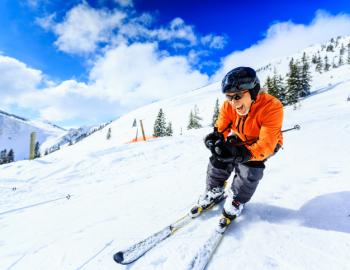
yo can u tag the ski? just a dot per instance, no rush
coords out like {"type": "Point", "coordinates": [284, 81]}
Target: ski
{"type": "Point", "coordinates": [205, 252]}
{"type": "Point", "coordinates": [136, 251]}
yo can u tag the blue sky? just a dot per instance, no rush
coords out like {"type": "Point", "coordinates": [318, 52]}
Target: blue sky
{"type": "Point", "coordinates": [86, 62]}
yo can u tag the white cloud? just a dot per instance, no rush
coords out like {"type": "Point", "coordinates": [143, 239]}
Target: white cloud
{"type": "Point", "coordinates": [123, 78]}
{"type": "Point", "coordinates": [214, 41]}
{"type": "Point", "coordinates": [16, 78]}
{"type": "Point", "coordinates": [286, 38]}
{"type": "Point", "coordinates": [137, 74]}
{"type": "Point", "coordinates": [125, 3]}
{"type": "Point", "coordinates": [83, 28]}
{"type": "Point", "coordinates": [67, 101]}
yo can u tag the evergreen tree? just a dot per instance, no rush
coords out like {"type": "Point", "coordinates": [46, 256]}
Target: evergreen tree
{"type": "Point", "coordinates": [159, 125]}
{"type": "Point", "coordinates": [348, 60]}
{"type": "Point", "coordinates": [342, 49]}
{"type": "Point", "coordinates": [10, 156]}
{"type": "Point", "coordinates": [197, 118]}
{"type": "Point", "coordinates": [280, 88]}
{"type": "Point", "coordinates": [37, 150]}
{"type": "Point", "coordinates": [276, 87]}
{"type": "Point", "coordinates": [109, 134]}
{"type": "Point", "coordinates": [268, 85]}
{"type": "Point", "coordinates": [299, 68]}
{"type": "Point", "coordinates": [319, 64]}
{"type": "Point", "coordinates": [340, 61]}
{"type": "Point", "coordinates": [314, 59]}
{"type": "Point", "coordinates": [326, 63]}
{"type": "Point", "coordinates": [194, 119]}
{"type": "Point", "coordinates": [216, 112]}
{"type": "Point", "coordinates": [292, 83]}
{"type": "Point", "coordinates": [3, 156]}
{"type": "Point", "coordinates": [191, 121]}
{"type": "Point", "coordinates": [330, 48]}
{"type": "Point", "coordinates": [169, 130]}
{"type": "Point", "coordinates": [305, 77]}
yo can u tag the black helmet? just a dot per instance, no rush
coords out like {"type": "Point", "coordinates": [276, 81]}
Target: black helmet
{"type": "Point", "coordinates": [239, 79]}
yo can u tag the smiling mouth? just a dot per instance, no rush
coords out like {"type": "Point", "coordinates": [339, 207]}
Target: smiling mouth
{"type": "Point", "coordinates": [240, 108]}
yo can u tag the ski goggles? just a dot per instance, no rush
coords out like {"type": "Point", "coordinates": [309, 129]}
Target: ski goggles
{"type": "Point", "coordinates": [236, 96]}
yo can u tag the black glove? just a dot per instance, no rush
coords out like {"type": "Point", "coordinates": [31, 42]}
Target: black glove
{"type": "Point", "coordinates": [223, 148]}
{"type": "Point", "coordinates": [212, 138]}
{"type": "Point", "coordinates": [229, 151]}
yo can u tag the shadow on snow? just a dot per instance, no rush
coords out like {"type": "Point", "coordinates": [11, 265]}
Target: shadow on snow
{"type": "Point", "coordinates": [325, 212]}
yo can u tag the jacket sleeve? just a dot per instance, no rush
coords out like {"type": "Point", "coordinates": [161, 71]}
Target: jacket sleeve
{"type": "Point", "coordinates": [270, 132]}
{"type": "Point", "coordinates": [224, 120]}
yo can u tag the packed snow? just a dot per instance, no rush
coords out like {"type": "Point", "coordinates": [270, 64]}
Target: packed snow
{"type": "Point", "coordinates": [76, 207]}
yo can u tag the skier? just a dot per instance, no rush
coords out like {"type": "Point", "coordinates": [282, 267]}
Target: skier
{"type": "Point", "coordinates": [247, 132]}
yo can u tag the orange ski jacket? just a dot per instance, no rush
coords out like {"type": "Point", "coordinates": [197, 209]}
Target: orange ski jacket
{"type": "Point", "coordinates": [260, 129]}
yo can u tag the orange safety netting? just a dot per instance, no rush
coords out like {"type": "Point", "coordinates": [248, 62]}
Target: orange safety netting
{"type": "Point", "coordinates": [141, 139]}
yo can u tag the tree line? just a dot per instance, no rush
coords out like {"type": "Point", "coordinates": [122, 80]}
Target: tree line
{"type": "Point", "coordinates": [161, 128]}
{"type": "Point", "coordinates": [7, 157]}
{"type": "Point", "coordinates": [297, 82]}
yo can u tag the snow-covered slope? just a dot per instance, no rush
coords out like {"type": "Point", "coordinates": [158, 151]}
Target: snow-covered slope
{"type": "Point", "coordinates": [298, 219]}
{"type": "Point", "coordinates": [15, 133]}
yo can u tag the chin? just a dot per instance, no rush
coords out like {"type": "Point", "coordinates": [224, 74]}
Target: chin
{"type": "Point", "coordinates": [242, 113]}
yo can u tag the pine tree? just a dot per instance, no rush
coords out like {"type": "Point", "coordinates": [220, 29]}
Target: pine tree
{"type": "Point", "coordinates": [340, 61]}
{"type": "Point", "coordinates": [37, 150]}
{"type": "Point", "coordinates": [268, 85]}
{"type": "Point", "coordinates": [319, 64]}
{"type": "Point", "coordinates": [314, 59]}
{"type": "Point", "coordinates": [216, 112]}
{"type": "Point", "coordinates": [197, 117]}
{"type": "Point", "coordinates": [169, 130]}
{"type": "Point", "coordinates": [292, 83]}
{"type": "Point", "coordinates": [159, 125]}
{"type": "Point", "coordinates": [10, 156]}
{"type": "Point", "coordinates": [276, 87]}
{"type": "Point", "coordinates": [194, 119]}
{"type": "Point", "coordinates": [299, 79]}
{"type": "Point", "coordinates": [190, 121]}
{"type": "Point", "coordinates": [342, 49]}
{"type": "Point", "coordinates": [330, 48]}
{"type": "Point", "coordinates": [326, 63]}
{"type": "Point", "coordinates": [280, 88]}
{"type": "Point", "coordinates": [109, 134]}
{"type": "Point", "coordinates": [3, 156]}
{"type": "Point", "coordinates": [305, 77]}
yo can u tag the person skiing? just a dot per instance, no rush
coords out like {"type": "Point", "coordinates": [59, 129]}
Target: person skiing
{"type": "Point", "coordinates": [247, 132]}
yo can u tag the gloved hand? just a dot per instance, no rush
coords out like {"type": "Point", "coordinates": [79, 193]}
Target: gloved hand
{"type": "Point", "coordinates": [223, 148]}
{"type": "Point", "coordinates": [230, 152]}
{"type": "Point", "coordinates": [211, 139]}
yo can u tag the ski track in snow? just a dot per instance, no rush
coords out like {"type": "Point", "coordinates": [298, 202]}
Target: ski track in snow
{"type": "Point", "coordinates": [121, 193]}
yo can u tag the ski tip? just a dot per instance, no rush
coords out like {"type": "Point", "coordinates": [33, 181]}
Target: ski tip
{"type": "Point", "coordinates": [119, 257]}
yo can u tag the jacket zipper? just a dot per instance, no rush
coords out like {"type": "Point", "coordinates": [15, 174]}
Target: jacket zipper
{"type": "Point", "coordinates": [244, 119]}
{"type": "Point", "coordinates": [239, 121]}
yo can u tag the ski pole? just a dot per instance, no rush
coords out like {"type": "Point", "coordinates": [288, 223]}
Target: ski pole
{"type": "Point", "coordinates": [297, 127]}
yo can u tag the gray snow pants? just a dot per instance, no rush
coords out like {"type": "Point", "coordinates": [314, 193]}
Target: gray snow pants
{"type": "Point", "coordinates": [245, 181]}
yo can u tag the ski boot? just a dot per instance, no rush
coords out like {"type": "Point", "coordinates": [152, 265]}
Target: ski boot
{"type": "Point", "coordinates": [208, 200]}
{"type": "Point", "coordinates": [232, 209]}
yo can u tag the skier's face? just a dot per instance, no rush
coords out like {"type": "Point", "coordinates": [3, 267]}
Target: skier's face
{"type": "Point", "coordinates": [240, 101]}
